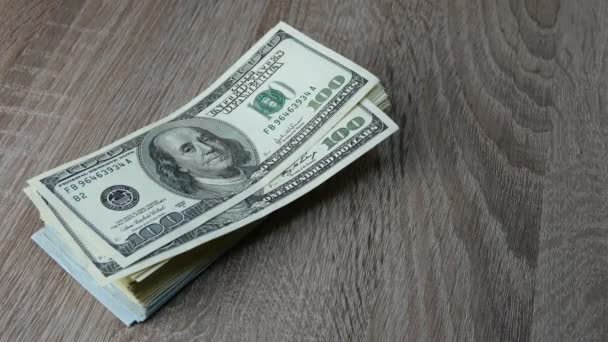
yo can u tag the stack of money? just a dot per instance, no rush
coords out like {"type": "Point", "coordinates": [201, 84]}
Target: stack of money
{"type": "Point", "coordinates": [138, 219]}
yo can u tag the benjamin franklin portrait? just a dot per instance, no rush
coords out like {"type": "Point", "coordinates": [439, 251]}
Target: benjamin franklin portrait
{"type": "Point", "coordinates": [196, 161]}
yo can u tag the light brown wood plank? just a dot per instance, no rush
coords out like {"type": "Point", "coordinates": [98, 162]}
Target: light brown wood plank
{"type": "Point", "coordinates": [483, 219]}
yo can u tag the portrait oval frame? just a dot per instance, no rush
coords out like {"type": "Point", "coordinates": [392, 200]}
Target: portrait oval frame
{"type": "Point", "coordinates": [217, 127]}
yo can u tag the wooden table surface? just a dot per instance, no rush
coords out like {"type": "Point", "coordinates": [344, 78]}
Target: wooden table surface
{"type": "Point", "coordinates": [483, 219]}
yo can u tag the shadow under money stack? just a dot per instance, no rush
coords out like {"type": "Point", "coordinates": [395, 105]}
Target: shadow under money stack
{"type": "Point", "coordinates": [138, 219]}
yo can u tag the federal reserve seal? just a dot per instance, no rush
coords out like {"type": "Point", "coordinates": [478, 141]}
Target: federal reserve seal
{"type": "Point", "coordinates": [119, 197]}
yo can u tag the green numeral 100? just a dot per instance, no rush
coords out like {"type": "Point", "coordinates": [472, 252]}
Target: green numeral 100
{"type": "Point", "coordinates": [325, 93]}
{"type": "Point", "coordinates": [343, 132]}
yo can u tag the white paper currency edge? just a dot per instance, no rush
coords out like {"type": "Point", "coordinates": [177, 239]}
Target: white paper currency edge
{"type": "Point", "coordinates": [112, 300]}
{"type": "Point", "coordinates": [119, 305]}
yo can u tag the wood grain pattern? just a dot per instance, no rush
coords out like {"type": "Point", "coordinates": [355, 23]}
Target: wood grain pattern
{"type": "Point", "coordinates": [484, 219]}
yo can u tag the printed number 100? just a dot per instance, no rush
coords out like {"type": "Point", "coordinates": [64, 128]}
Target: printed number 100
{"type": "Point", "coordinates": [325, 93]}
{"type": "Point", "coordinates": [342, 132]}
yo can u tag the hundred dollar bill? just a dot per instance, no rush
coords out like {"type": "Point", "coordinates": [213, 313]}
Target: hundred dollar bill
{"type": "Point", "coordinates": [136, 195]}
{"type": "Point", "coordinates": [363, 128]}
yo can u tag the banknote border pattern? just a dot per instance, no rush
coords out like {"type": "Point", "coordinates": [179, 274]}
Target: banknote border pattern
{"type": "Point", "coordinates": [375, 127]}
{"type": "Point", "coordinates": [106, 268]}
{"type": "Point", "coordinates": [357, 82]}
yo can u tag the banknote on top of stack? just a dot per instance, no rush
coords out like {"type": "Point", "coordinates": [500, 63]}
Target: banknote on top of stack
{"type": "Point", "coordinates": [136, 220]}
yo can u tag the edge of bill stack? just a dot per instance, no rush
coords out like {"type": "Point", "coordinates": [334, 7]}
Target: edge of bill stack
{"type": "Point", "coordinates": [135, 301]}
{"type": "Point", "coordinates": [124, 203]}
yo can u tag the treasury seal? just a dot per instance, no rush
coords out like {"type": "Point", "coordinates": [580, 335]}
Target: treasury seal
{"type": "Point", "coordinates": [119, 197]}
{"type": "Point", "coordinates": [269, 101]}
